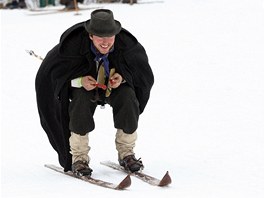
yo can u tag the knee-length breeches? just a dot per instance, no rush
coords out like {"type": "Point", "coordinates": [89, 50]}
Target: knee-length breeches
{"type": "Point", "coordinates": [123, 100]}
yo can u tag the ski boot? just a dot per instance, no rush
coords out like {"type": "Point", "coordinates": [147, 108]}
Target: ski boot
{"type": "Point", "coordinates": [130, 163]}
{"type": "Point", "coordinates": [81, 168]}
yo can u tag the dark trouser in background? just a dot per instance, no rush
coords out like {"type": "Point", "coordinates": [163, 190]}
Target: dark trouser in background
{"type": "Point", "coordinates": [123, 101]}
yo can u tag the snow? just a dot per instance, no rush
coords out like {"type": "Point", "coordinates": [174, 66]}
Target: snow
{"type": "Point", "coordinates": [204, 122]}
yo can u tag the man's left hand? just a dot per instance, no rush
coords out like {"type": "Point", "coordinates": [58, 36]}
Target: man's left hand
{"type": "Point", "coordinates": [115, 80]}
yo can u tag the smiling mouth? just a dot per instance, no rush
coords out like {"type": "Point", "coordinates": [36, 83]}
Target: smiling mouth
{"type": "Point", "coordinates": [104, 46]}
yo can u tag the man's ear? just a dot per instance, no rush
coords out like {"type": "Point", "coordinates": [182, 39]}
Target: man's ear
{"type": "Point", "coordinates": [91, 36]}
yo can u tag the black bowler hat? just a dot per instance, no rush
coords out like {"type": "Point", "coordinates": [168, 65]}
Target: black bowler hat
{"type": "Point", "coordinates": [102, 23]}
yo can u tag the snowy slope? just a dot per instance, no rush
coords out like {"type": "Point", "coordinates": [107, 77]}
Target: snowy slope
{"type": "Point", "coordinates": [205, 119]}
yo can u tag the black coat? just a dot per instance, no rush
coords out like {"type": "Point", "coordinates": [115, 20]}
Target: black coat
{"type": "Point", "coordinates": [72, 58]}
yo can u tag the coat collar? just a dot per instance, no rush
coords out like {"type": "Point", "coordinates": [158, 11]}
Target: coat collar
{"type": "Point", "coordinates": [85, 45]}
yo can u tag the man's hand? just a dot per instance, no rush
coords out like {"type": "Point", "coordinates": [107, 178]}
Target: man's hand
{"type": "Point", "coordinates": [115, 80]}
{"type": "Point", "coordinates": [88, 82]}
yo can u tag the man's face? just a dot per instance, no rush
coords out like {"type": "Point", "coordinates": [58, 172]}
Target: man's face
{"type": "Point", "coordinates": [103, 44]}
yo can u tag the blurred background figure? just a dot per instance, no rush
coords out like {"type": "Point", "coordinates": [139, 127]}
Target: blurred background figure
{"type": "Point", "coordinates": [15, 4]}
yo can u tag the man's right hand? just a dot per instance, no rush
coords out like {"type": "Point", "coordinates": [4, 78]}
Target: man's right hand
{"type": "Point", "coordinates": [88, 82]}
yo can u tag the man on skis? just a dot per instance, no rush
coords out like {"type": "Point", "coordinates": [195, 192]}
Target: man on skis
{"type": "Point", "coordinates": [96, 62]}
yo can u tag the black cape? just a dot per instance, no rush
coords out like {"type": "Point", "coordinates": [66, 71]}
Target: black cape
{"type": "Point", "coordinates": [72, 58]}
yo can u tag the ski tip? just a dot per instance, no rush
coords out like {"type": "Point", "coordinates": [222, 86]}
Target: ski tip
{"type": "Point", "coordinates": [166, 180]}
{"type": "Point", "coordinates": [125, 183]}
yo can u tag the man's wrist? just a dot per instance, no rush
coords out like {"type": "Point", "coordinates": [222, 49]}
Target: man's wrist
{"type": "Point", "coordinates": [77, 82]}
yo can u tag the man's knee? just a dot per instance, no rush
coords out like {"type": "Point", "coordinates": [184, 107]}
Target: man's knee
{"type": "Point", "coordinates": [124, 95]}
